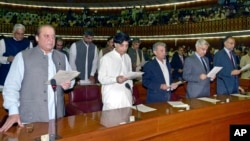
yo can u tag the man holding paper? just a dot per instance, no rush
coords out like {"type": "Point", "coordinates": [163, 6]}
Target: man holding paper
{"type": "Point", "coordinates": [228, 78]}
{"type": "Point", "coordinates": [195, 71]}
{"type": "Point", "coordinates": [116, 87]}
{"type": "Point", "coordinates": [245, 65]}
{"type": "Point", "coordinates": [157, 76]}
{"type": "Point", "coordinates": [26, 95]}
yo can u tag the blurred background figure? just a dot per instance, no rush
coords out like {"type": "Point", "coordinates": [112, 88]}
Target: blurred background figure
{"type": "Point", "coordinates": [177, 63]}
{"type": "Point", "coordinates": [60, 46]}
{"type": "Point", "coordinates": [9, 47]}
{"type": "Point", "coordinates": [83, 57]}
{"type": "Point", "coordinates": [109, 47]}
{"type": "Point", "coordinates": [244, 61]}
{"type": "Point", "coordinates": [136, 55]}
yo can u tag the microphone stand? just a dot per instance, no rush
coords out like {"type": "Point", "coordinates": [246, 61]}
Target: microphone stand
{"type": "Point", "coordinates": [55, 136]}
{"type": "Point", "coordinates": [134, 100]}
{"type": "Point", "coordinates": [228, 93]}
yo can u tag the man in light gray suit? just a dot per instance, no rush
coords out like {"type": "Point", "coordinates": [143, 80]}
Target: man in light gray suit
{"type": "Point", "coordinates": [195, 71]}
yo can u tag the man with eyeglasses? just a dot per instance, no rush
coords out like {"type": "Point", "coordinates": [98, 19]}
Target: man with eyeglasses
{"type": "Point", "coordinates": [9, 47]}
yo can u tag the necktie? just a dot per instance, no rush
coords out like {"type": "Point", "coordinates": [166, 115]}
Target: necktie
{"type": "Point", "coordinates": [182, 60]}
{"type": "Point", "coordinates": [231, 58]}
{"type": "Point", "coordinates": [204, 65]}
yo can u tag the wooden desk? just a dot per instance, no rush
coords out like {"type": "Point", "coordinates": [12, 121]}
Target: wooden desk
{"type": "Point", "coordinates": [204, 121]}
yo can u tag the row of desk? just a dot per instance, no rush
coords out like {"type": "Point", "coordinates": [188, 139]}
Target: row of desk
{"type": "Point", "coordinates": [204, 121]}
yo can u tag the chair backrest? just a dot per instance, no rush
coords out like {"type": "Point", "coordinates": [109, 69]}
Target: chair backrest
{"type": "Point", "coordinates": [85, 93]}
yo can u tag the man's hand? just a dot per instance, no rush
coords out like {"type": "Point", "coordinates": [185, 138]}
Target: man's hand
{"type": "Point", "coordinates": [203, 76]}
{"type": "Point", "coordinates": [66, 85]}
{"type": "Point", "coordinates": [235, 72]}
{"type": "Point", "coordinates": [213, 77]}
{"type": "Point", "coordinates": [242, 91]}
{"type": "Point", "coordinates": [164, 87]}
{"type": "Point", "coordinates": [92, 79]}
{"type": "Point", "coordinates": [121, 79]}
{"type": "Point", "coordinates": [180, 70]}
{"type": "Point", "coordinates": [10, 58]}
{"type": "Point", "coordinates": [12, 119]}
{"type": "Point", "coordinates": [174, 86]}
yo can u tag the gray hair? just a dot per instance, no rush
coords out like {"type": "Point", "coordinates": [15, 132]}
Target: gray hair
{"type": "Point", "coordinates": [18, 26]}
{"type": "Point", "coordinates": [201, 42]}
{"type": "Point", "coordinates": [157, 44]}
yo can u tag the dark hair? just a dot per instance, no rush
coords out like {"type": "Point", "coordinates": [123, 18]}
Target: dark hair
{"type": "Point", "coordinates": [226, 38]}
{"type": "Point", "coordinates": [59, 39]}
{"type": "Point", "coordinates": [109, 38]}
{"type": "Point", "coordinates": [121, 37]}
{"type": "Point", "coordinates": [88, 32]}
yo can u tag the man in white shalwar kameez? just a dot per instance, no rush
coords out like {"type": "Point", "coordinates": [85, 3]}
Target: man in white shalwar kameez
{"type": "Point", "coordinates": [113, 66]}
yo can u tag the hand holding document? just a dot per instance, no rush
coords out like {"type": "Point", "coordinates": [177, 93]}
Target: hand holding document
{"type": "Point", "coordinates": [214, 71]}
{"type": "Point", "coordinates": [176, 84]}
{"type": "Point", "coordinates": [247, 66]}
{"type": "Point", "coordinates": [62, 76]}
{"type": "Point", "coordinates": [133, 75]}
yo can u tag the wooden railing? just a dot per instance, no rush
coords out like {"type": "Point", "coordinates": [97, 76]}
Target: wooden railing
{"type": "Point", "coordinates": [235, 24]}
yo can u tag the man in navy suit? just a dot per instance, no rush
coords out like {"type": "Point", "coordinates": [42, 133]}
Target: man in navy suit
{"type": "Point", "coordinates": [157, 78]}
{"type": "Point", "coordinates": [177, 63]}
{"type": "Point", "coordinates": [227, 78]}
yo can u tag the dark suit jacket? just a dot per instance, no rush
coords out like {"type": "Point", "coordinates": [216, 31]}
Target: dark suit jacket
{"type": "Point", "coordinates": [176, 64]}
{"type": "Point", "coordinates": [132, 54]}
{"type": "Point", "coordinates": [226, 83]}
{"type": "Point", "coordinates": [152, 79]}
{"type": "Point", "coordinates": [192, 70]}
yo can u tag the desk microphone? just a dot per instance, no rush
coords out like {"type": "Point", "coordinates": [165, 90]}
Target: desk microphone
{"type": "Point", "coordinates": [54, 86]}
{"type": "Point", "coordinates": [228, 93]}
{"type": "Point", "coordinates": [128, 87]}
{"type": "Point", "coordinates": [227, 90]}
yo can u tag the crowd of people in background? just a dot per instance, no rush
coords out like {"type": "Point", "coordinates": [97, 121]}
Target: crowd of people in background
{"type": "Point", "coordinates": [137, 16]}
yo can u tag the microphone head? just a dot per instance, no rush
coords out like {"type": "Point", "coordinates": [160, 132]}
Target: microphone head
{"type": "Point", "coordinates": [53, 82]}
{"type": "Point", "coordinates": [127, 86]}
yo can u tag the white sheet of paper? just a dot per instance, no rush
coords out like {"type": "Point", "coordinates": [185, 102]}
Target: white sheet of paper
{"type": "Point", "coordinates": [208, 99]}
{"type": "Point", "coordinates": [143, 108]}
{"type": "Point", "coordinates": [214, 71]}
{"type": "Point", "coordinates": [178, 104]}
{"type": "Point", "coordinates": [62, 76]}
{"type": "Point", "coordinates": [247, 66]}
{"type": "Point", "coordinates": [240, 95]}
{"type": "Point", "coordinates": [133, 75]}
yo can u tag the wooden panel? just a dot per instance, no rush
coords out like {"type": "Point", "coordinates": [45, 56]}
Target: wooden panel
{"type": "Point", "coordinates": [2, 111]}
{"type": "Point", "coordinates": [245, 84]}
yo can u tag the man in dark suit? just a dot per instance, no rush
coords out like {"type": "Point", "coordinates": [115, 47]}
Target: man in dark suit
{"type": "Point", "coordinates": [227, 78]}
{"type": "Point", "coordinates": [177, 63]}
{"type": "Point", "coordinates": [157, 78]}
{"type": "Point", "coordinates": [195, 71]}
